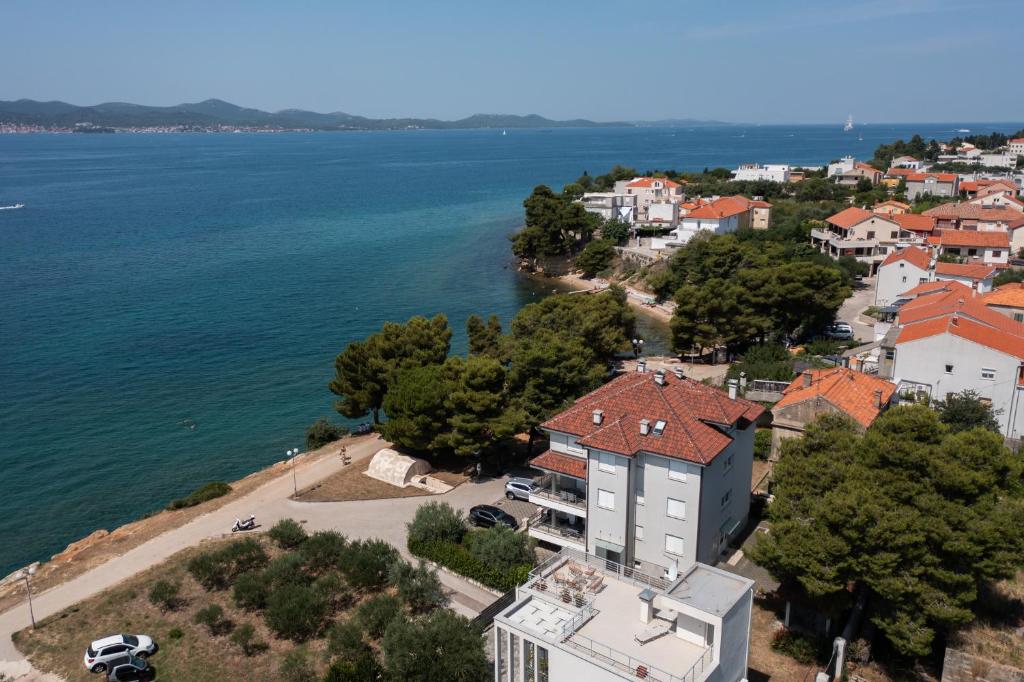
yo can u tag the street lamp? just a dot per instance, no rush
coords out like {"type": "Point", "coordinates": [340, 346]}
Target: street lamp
{"type": "Point", "coordinates": [26, 575]}
{"type": "Point", "coordinates": [638, 347]}
{"type": "Point", "coordinates": [293, 453]}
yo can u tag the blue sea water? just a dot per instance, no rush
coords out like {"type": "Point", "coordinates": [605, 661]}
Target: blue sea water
{"type": "Point", "coordinates": [156, 281]}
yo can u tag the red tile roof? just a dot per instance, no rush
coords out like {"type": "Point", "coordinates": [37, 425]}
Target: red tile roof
{"type": "Point", "coordinates": [1009, 295]}
{"type": "Point", "coordinates": [563, 464]}
{"type": "Point", "coordinates": [755, 203]}
{"type": "Point", "coordinates": [689, 409]}
{"type": "Point", "coordinates": [866, 167]}
{"type": "Point", "coordinates": [967, 306]}
{"type": "Point", "coordinates": [973, 212]}
{"type": "Point", "coordinates": [894, 203]}
{"type": "Point", "coordinates": [964, 328]}
{"type": "Point", "coordinates": [974, 271]}
{"type": "Point", "coordinates": [941, 177]}
{"type": "Point", "coordinates": [648, 182]}
{"type": "Point", "coordinates": [913, 255]}
{"type": "Point", "coordinates": [913, 222]}
{"type": "Point", "coordinates": [900, 171]}
{"type": "Point", "coordinates": [848, 390]}
{"type": "Point", "coordinates": [1018, 140]}
{"type": "Point", "coordinates": [720, 208]}
{"type": "Point", "coordinates": [927, 288]}
{"type": "Point", "coordinates": [991, 240]}
{"type": "Point", "coordinates": [854, 215]}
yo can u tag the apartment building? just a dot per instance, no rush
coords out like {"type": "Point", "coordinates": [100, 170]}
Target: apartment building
{"type": "Point", "coordinates": [867, 236]}
{"type": "Point", "coordinates": [650, 191]}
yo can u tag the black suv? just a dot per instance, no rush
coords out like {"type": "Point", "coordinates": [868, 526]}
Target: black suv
{"type": "Point", "coordinates": [487, 515]}
{"type": "Point", "coordinates": [129, 669]}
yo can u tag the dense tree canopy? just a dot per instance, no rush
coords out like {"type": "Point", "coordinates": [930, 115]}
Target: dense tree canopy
{"type": "Point", "coordinates": [597, 256]}
{"type": "Point", "coordinates": [964, 410]}
{"type": "Point", "coordinates": [918, 516]}
{"type": "Point", "coordinates": [555, 223]}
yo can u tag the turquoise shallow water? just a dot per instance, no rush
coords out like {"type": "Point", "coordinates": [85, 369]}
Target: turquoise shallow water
{"type": "Point", "coordinates": [153, 279]}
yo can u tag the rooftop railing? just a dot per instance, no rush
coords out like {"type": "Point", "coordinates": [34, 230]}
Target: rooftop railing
{"type": "Point", "coordinates": [636, 667]}
{"type": "Point", "coordinates": [608, 568]}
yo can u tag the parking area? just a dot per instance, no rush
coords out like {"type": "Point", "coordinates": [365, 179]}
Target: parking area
{"type": "Point", "coordinates": [520, 509]}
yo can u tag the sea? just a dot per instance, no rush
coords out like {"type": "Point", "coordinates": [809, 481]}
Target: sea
{"type": "Point", "coordinates": [171, 304]}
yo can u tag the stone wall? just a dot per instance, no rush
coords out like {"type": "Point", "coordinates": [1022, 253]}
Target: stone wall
{"type": "Point", "coordinates": [959, 666]}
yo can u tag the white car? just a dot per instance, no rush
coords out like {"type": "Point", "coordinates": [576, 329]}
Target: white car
{"type": "Point", "coordinates": [519, 488]}
{"type": "Point", "coordinates": [101, 652]}
{"type": "Point", "coordinates": [839, 331]}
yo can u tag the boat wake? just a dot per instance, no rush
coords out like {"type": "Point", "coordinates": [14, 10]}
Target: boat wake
{"type": "Point", "coordinates": [11, 207]}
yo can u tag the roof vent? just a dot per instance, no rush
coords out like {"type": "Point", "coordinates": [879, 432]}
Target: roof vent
{"type": "Point", "coordinates": [598, 416]}
{"type": "Point", "coordinates": [807, 378]}
{"type": "Point", "coordinates": [641, 365]}
{"type": "Point", "coordinates": [659, 377]}
{"type": "Point", "coordinates": [878, 398]}
{"type": "Point", "coordinates": [645, 427]}
{"type": "Point", "coordinates": [732, 389]}
{"type": "Point", "coordinates": [678, 371]}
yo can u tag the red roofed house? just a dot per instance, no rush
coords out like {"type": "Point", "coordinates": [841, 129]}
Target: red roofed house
{"type": "Point", "coordinates": [720, 216]}
{"type": "Point", "coordinates": [932, 184]}
{"type": "Point", "coordinates": [1016, 146]}
{"type": "Point", "coordinates": [1008, 300]}
{"type": "Point", "coordinates": [992, 248]}
{"type": "Point", "coordinates": [860, 171]}
{"type": "Point", "coordinates": [863, 234]}
{"type": "Point", "coordinates": [977, 276]}
{"type": "Point", "coordinates": [900, 272]}
{"type": "Point", "coordinates": [999, 199]}
{"type": "Point", "coordinates": [650, 191]}
{"type": "Point", "coordinates": [861, 397]}
{"type": "Point", "coordinates": [891, 207]}
{"type": "Point", "coordinates": [648, 470]}
{"type": "Point", "coordinates": [982, 186]}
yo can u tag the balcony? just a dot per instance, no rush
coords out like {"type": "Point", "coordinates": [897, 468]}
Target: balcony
{"type": "Point", "coordinates": [560, 493]}
{"type": "Point", "coordinates": [837, 241]}
{"type": "Point", "coordinates": [558, 531]}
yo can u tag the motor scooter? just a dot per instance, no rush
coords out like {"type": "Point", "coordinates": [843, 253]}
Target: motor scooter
{"type": "Point", "coordinates": [248, 524]}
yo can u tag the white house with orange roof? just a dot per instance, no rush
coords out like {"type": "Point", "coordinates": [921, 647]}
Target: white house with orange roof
{"type": "Point", "coordinates": [867, 236]}
{"type": "Point", "coordinates": [891, 207]}
{"type": "Point", "coordinates": [991, 248]}
{"type": "Point", "coordinates": [932, 184]}
{"type": "Point", "coordinates": [977, 276]}
{"type": "Point", "coordinates": [860, 171]}
{"type": "Point", "coordinates": [650, 191]}
{"type": "Point", "coordinates": [1016, 146]}
{"type": "Point", "coordinates": [900, 272]}
{"type": "Point", "coordinates": [1007, 300]}
{"type": "Point", "coordinates": [998, 199]}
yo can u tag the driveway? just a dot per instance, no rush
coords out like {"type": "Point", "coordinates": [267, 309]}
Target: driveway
{"type": "Point", "coordinates": [850, 311]}
{"type": "Point", "coordinates": [384, 519]}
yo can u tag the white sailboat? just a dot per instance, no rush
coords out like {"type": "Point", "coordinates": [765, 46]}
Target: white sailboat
{"type": "Point", "coordinates": [848, 126]}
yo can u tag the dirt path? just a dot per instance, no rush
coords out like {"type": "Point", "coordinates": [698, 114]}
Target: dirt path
{"type": "Point", "coordinates": [270, 502]}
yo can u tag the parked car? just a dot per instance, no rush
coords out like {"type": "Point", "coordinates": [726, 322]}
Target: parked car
{"type": "Point", "coordinates": [839, 331]}
{"type": "Point", "coordinates": [519, 488]}
{"type": "Point", "coordinates": [129, 668]}
{"type": "Point", "coordinates": [486, 516]}
{"type": "Point", "coordinates": [102, 651]}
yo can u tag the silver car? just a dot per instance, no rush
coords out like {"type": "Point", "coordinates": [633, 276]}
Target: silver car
{"type": "Point", "coordinates": [101, 652]}
{"type": "Point", "coordinates": [519, 488]}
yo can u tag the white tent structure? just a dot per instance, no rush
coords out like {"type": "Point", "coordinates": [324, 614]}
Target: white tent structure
{"type": "Point", "coordinates": [396, 469]}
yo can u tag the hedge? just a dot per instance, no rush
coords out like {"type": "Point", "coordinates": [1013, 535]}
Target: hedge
{"type": "Point", "coordinates": [210, 491]}
{"type": "Point", "coordinates": [459, 559]}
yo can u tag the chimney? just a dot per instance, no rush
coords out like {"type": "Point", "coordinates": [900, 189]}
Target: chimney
{"type": "Point", "coordinates": [598, 416]}
{"type": "Point", "coordinates": [659, 377]}
{"type": "Point", "coordinates": [743, 380]}
{"type": "Point", "coordinates": [732, 389]}
{"type": "Point", "coordinates": [645, 427]}
{"type": "Point", "coordinates": [679, 373]}
{"type": "Point", "coordinates": [641, 365]}
{"type": "Point", "coordinates": [878, 398]}
{"type": "Point", "coordinates": [807, 378]}
{"type": "Point", "coordinates": [954, 320]}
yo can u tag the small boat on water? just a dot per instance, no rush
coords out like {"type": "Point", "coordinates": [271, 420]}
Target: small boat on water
{"type": "Point", "coordinates": [963, 130]}
{"type": "Point", "coordinates": [848, 126]}
{"type": "Point", "coordinates": [11, 207]}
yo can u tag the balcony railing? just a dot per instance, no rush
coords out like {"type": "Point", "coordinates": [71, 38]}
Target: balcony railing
{"type": "Point", "coordinates": [635, 667]}
{"type": "Point", "coordinates": [566, 532]}
{"type": "Point", "coordinates": [571, 497]}
{"type": "Point", "coordinates": [611, 569]}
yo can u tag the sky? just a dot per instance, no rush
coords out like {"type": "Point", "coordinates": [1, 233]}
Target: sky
{"type": "Point", "coordinates": [757, 61]}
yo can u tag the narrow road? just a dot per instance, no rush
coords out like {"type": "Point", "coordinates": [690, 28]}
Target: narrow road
{"type": "Point", "coordinates": [384, 519]}
{"type": "Point", "coordinates": [850, 311]}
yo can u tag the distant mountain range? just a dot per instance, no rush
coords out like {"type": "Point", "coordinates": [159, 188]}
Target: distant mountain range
{"type": "Point", "coordinates": [213, 113]}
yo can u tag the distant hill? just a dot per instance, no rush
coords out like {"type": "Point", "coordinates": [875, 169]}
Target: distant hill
{"type": "Point", "coordinates": [215, 112]}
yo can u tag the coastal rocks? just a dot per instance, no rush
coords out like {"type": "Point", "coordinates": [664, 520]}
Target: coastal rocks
{"type": "Point", "coordinates": [79, 546]}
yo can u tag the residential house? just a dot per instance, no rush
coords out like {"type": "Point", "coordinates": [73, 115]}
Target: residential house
{"type": "Point", "coordinates": [1007, 300]}
{"type": "Point", "coordinates": [998, 199]}
{"type": "Point", "coordinates": [651, 471]}
{"type": "Point", "coordinates": [907, 162]}
{"type": "Point", "coordinates": [857, 232]}
{"type": "Point", "coordinates": [973, 188]}
{"type": "Point", "coordinates": [976, 276]}
{"type": "Point", "coordinates": [891, 207]}
{"type": "Point", "coordinates": [862, 397]}
{"type": "Point", "coordinates": [841, 166]}
{"type": "Point", "coordinates": [970, 217]}
{"type": "Point", "coordinates": [932, 184]}
{"type": "Point", "coordinates": [611, 206]}
{"type": "Point", "coordinates": [759, 212]}
{"type": "Point", "coordinates": [580, 617]}
{"type": "Point", "coordinates": [720, 216]}
{"type": "Point", "coordinates": [992, 248]}
{"type": "Point", "coordinates": [860, 171]}
{"type": "Point", "coordinates": [901, 271]}
{"type": "Point", "coordinates": [997, 159]}
{"type": "Point", "coordinates": [914, 226]}
{"type": "Point", "coordinates": [1016, 146]}
{"type": "Point", "coordinates": [773, 172]}
{"type": "Point", "coordinates": [662, 215]}
{"type": "Point", "coordinates": [650, 191]}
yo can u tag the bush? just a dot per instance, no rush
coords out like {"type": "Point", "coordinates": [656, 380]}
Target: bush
{"type": "Point", "coordinates": [210, 491]}
{"type": "Point", "coordinates": [455, 645]}
{"type": "Point", "coordinates": [333, 589]}
{"type": "Point", "coordinates": [323, 432]}
{"type": "Point", "coordinates": [375, 613]}
{"type": "Point", "coordinates": [595, 257]}
{"type": "Point", "coordinates": [437, 521]}
{"type": "Point", "coordinates": [217, 569]}
{"type": "Point", "coordinates": [418, 586]}
{"type": "Point", "coordinates": [213, 618]}
{"type": "Point", "coordinates": [345, 640]}
{"type": "Point", "coordinates": [361, 668]}
{"type": "Point", "coordinates": [296, 667]}
{"type": "Point", "coordinates": [165, 595]}
{"type": "Point", "coordinates": [288, 534]}
{"type": "Point", "coordinates": [770, 362]}
{"type": "Point", "coordinates": [251, 591]}
{"type": "Point", "coordinates": [801, 649]}
{"type": "Point", "coordinates": [501, 547]}
{"type": "Point", "coordinates": [762, 443]}
{"type": "Point", "coordinates": [287, 569]}
{"type": "Point", "coordinates": [245, 637]}
{"type": "Point", "coordinates": [615, 231]}
{"type": "Point", "coordinates": [324, 550]}
{"type": "Point", "coordinates": [175, 633]}
{"type": "Point", "coordinates": [368, 562]}
{"type": "Point", "coordinates": [459, 559]}
{"type": "Point", "coordinates": [296, 612]}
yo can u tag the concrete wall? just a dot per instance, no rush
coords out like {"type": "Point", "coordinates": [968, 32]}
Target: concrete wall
{"type": "Point", "coordinates": [959, 666]}
{"type": "Point", "coordinates": [610, 525]}
{"type": "Point", "coordinates": [657, 488]}
{"type": "Point", "coordinates": [734, 651]}
{"type": "Point", "coordinates": [566, 444]}
{"type": "Point", "coordinates": [896, 278]}
{"type": "Point", "coordinates": [719, 478]}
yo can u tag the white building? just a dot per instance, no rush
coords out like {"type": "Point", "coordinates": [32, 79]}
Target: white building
{"type": "Point", "coordinates": [901, 271]}
{"type": "Point", "coordinates": [650, 191]}
{"type": "Point", "coordinates": [989, 247]}
{"type": "Point", "coordinates": [1016, 146]}
{"type": "Point", "coordinates": [975, 276]}
{"type": "Point", "coordinates": [773, 172]}
{"type": "Point", "coordinates": [610, 206]}
{"type": "Point", "coordinates": [582, 618]}
{"type": "Point", "coordinates": [843, 165]}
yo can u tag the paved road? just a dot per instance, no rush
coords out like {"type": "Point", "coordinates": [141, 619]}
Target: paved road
{"type": "Point", "coordinates": [270, 503]}
{"type": "Point", "coordinates": [852, 307]}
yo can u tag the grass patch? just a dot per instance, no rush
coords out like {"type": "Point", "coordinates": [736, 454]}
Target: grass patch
{"type": "Point", "coordinates": [210, 491]}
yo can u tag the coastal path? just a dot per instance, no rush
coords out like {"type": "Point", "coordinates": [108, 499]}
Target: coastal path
{"type": "Point", "coordinates": [384, 519]}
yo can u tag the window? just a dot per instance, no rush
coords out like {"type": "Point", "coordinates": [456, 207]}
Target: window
{"type": "Point", "coordinates": [726, 498]}
{"type": "Point", "coordinates": [1019, 317]}
{"type": "Point", "coordinates": [676, 509]}
{"type": "Point", "coordinates": [606, 499]}
{"type": "Point", "coordinates": [949, 369]}
{"type": "Point", "coordinates": [674, 545]}
{"type": "Point", "coordinates": [728, 464]}
{"type": "Point", "coordinates": [890, 353]}
{"type": "Point", "coordinates": [639, 533]}
{"type": "Point", "coordinates": [542, 664]}
{"type": "Point", "coordinates": [972, 252]}
{"type": "Point", "coordinates": [904, 278]}
{"type": "Point", "coordinates": [606, 462]}
{"type": "Point", "coordinates": [997, 254]}
{"type": "Point", "coordinates": [513, 656]}
{"type": "Point", "coordinates": [502, 655]}
{"type": "Point", "coordinates": [988, 373]}
{"type": "Point", "coordinates": [530, 660]}
{"type": "Point", "coordinates": [894, 235]}
{"type": "Point", "coordinates": [677, 471]}
{"type": "Point", "coordinates": [659, 427]}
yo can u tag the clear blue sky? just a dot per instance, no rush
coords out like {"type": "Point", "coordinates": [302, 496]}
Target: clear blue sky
{"type": "Point", "coordinates": [766, 61]}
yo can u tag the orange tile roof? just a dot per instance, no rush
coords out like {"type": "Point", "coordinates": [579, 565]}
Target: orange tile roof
{"type": "Point", "coordinates": [893, 202]}
{"type": "Point", "coordinates": [933, 307]}
{"type": "Point", "coordinates": [992, 240]}
{"type": "Point", "coordinates": [647, 182]}
{"type": "Point", "coordinates": [866, 167]}
{"type": "Point", "coordinates": [975, 271]}
{"type": "Point", "coordinates": [563, 464]}
{"type": "Point", "coordinates": [720, 208]}
{"type": "Point", "coordinates": [973, 212]}
{"type": "Point", "coordinates": [913, 255]}
{"type": "Point", "coordinates": [849, 217]}
{"type": "Point", "coordinates": [1009, 295]}
{"type": "Point", "coordinates": [941, 177]}
{"type": "Point", "coordinates": [930, 288]}
{"type": "Point", "coordinates": [913, 222]}
{"type": "Point", "coordinates": [964, 328]}
{"type": "Point", "coordinates": [1018, 140]}
{"type": "Point", "coordinates": [900, 171]}
{"type": "Point", "coordinates": [848, 390]}
{"type": "Point", "coordinates": [756, 203]}
{"type": "Point", "coordinates": [689, 409]}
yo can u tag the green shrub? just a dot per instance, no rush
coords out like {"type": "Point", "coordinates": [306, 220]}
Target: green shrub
{"type": "Point", "coordinates": [165, 595]}
{"type": "Point", "coordinates": [324, 550]}
{"type": "Point", "coordinates": [251, 591]}
{"type": "Point", "coordinates": [175, 633]}
{"type": "Point", "coordinates": [375, 613]}
{"type": "Point", "coordinates": [345, 640]}
{"type": "Point", "coordinates": [217, 569]}
{"type": "Point", "coordinates": [287, 569]}
{"type": "Point", "coordinates": [210, 491]}
{"type": "Point", "coordinates": [360, 668]}
{"type": "Point", "coordinates": [245, 637]}
{"type": "Point", "coordinates": [296, 612]}
{"type": "Point", "coordinates": [288, 534]}
{"type": "Point", "coordinates": [501, 547]}
{"type": "Point", "coordinates": [802, 649]}
{"type": "Point", "coordinates": [367, 563]}
{"type": "Point", "coordinates": [333, 589]}
{"type": "Point", "coordinates": [459, 559]}
{"type": "Point", "coordinates": [457, 641]}
{"type": "Point", "coordinates": [762, 443]}
{"type": "Point", "coordinates": [770, 362]}
{"type": "Point", "coordinates": [437, 521]}
{"type": "Point", "coordinates": [213, 618]}
{"type": "Point", "coordinates": [323, 432]}
{"type": "Point", "coordinates": [418, 586]}
{"type": "Point", "coordinates": [296, 666]}
{"type": "Point", "coordinates": [595, 257]}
